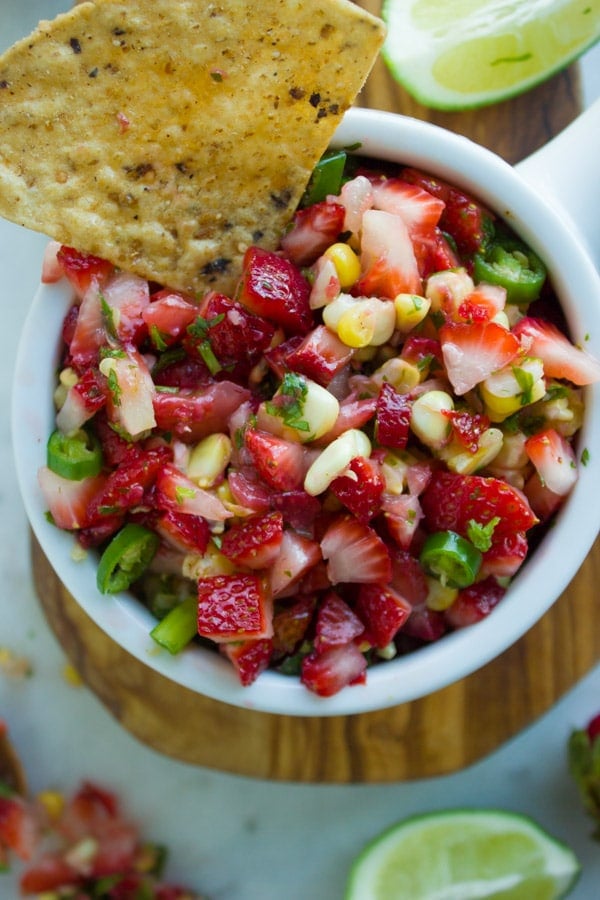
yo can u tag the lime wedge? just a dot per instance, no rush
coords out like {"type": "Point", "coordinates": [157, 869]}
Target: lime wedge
{"type": "Point", "coordinates": [464, 854]}
{"type": "Point", "coordinates": [470, 53]}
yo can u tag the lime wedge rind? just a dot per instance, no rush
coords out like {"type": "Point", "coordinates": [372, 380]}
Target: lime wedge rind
{"type": "Point", "coordinates": [471, 54]}
{"type": "Point", "coordinates": [464, 854]}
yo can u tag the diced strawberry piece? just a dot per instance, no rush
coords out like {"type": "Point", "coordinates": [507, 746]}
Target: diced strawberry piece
{"type": "Point", "coordinates": [451, 501]}
{"type": "Point", "coordinates": [473, 351]}
{"type": "Point", "coordinates": [542, 500]}
{"type": "Point", "coordinates": [383, 611]}
{"type": "Point", "coordinates": [336, 623]}
{"type": "Point", "coordinates": [355, 553]}
{"type": "Point", "coordinates": [320, 356]}
{"type": "Point", "coordinates": [353, 414]}
{"type": "Point", "coordinates": [361, 489]}
{"type": "Point", "coordinates": [83, 268]}
{"type": "Point", "coordinates": [419, 210]}
{"type": "Point", "coordinates": [554, 460]}
{"type": "Point", "coordinates": [256, 542]}
{"type": "Point", "coordinates": [408, 577]}
{"type": "Point", "coordinates": [313, 230]}
{"type": "Point", "coordinates": [274, 288]}
{"type": "Point", "coordinates": [560, 357]}
{"type": "Point", "coordinates": [282, 464]}
{"type": "Point", "coordinates": [276, 357]}
{"type": "Point", "coordinates": [52, 271]}
{"type": "Point", "coordinates": [190, 534]}
{"type": "Point", "coordinates": [124, 299]}
{"type": "Point", "coordinates": [290, 624]}
{"type": "Point", "coordinates": [425, 624]}
{"type": "Point", "coordinates": [97, 533]}
{"type": "Point", "coordinates": [234, 608]}
{"type": "Point", "coordinates": [482, 304]}
{"type": "Point", "coordinates": [130, 401]}
{"type": "Point", "coordinates": [115, 448]}
{"type": "Point", "coordinates": [402, 514]}
{"type": "Point", "coordinates": [474, 603]}
{"type": "Point", "coordinates": [297, 555]}
{"type": "Point", "coordinates": [506, 556]}
{"type": "Point", "coordinates": [249, 491]}
{"type": "Point", "coordinates": [167, 316]}
{"type": "Point", "coordinates": [49, 873]}
{"type": "Point", "coordinates": [393, 418]}
{"type": "Point", "coordinates": [299, 509]}
{"type": "Point", "coordinates": [249, 657]}
{"type": "Point", "coordinates": [89, 333]}
{"type": "Point", "coordinates": [422, 351]}
{"type": "Point", "coordinates": [388, 262]}
{"type": "Point", "coordinates": [463, 218]}
{"type": "Point", "coordinates": [182, 372]}
{"type": "Point", "coordinates": [325, 285]}
{"type": "Point", "coordinates": [190, 415]}
{"type": "Point", "coordinates": [235, 336]}
{"type": "Point", "coordinates": [327, 673]}
{"type": "Point", "coordinates": [18, 827]}
{"type": "Point", "coordinates": [126, 486]}
{"type": "Point", "coordinates": [434, 253]}
{"type": "Point", "coordinates": [174, 490]}
{"type": "Point", "coordinates": [83, 401]}
{"type": "Point", "coordinates": [467, 427]}
{"type": "Point", "coordinates": [69, 501]}
{"type": "Point", "coordinates": [356, 196]}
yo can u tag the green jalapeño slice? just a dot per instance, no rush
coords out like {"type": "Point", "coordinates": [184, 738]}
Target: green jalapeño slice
{"type": "Point", "coordinates": [126, 558]}
{"type": "Point", "coordinates": [451, 558]}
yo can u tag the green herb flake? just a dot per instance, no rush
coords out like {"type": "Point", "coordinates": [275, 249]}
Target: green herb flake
{"type": "Point", "coordinates": [183, 493]}
{"type": "Point", "coordinates": [288, 404]}
{"type": "Point", "coordinates": [585, 456]}
{"type": "Point", "coordinates": [114, 387]}
{"type": "Point", "coordinates": [481, 535]}
{"type": "Point", "coordinates": [526, 381]}
{"type": "Point", "coordinates": [108, 317]}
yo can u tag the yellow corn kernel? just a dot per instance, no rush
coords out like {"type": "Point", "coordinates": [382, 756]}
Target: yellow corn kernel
{"type": "Point", "coordinates": [411, 309]}
{"type": "Point", "coordinates": [212, 562]}
{"type": "Point", "coordinates": [356, 327]}
{"type": "Point", "coordinates": [335, 459]}
{"type": "Point", "coordinates": [428, 421]}
{"type": "Point", "coordinates": [209, 459]}
{"type": "Point", "coordinates": [439, 596]}
{"type": "Point", "coordinates": [447, 289]}
{"type": "Point", "coordinates": [361, 321]}
{"type": "Point", "coordinates": [346, 262]}
{"type": "Point", "coordinates": [400, 373]}
{"type": "Point", "coordinates": [465, 463]}
{"type": "Point", "coordinates": [53, 803]}
{"type": "Point", "coordinates": [512, 454]}
{"type": "Point", "coordinates": [503, 392]}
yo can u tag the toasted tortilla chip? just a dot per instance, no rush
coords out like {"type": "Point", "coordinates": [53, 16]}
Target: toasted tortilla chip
{"type": "Point", "coordinates": [168, 136]}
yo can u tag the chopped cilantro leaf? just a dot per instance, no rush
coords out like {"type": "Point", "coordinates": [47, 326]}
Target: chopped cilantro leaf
{"type": "Point", "coordinates": [481, 535]}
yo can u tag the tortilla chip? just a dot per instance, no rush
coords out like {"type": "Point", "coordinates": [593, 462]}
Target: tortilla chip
{"type": "Point", "coordinates": [167, 136]}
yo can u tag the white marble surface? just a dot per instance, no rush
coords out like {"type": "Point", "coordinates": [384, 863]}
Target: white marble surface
{"type": "Point", "coordinates": [232, 837]}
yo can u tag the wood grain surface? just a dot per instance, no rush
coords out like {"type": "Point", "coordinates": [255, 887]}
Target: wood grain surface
{"type": "Point", "coordinates": [439, 734]}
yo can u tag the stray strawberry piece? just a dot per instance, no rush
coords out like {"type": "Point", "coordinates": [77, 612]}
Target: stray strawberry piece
{"type": "Point", "coordinates": [424, 624]}
{"type": "Point", "coordinates": [299, 509]}
{"type": "Point", "coordinates": [472, 352]}
{"type": "Point", "coordinates": [560, 357]}
{"type": "Point", "coordinates": [249, 658]}
{"type": "Point", "coordinates": [361, 488]}
{"type": "Point", "coordinates": [192, 414]}
{"type": "Point", "coordinates": [355, 553]}
{"type": "Point", "coordinates": [297, 555]}
{"type": "Point", "coordinates": [327, 673]}
{"type": "Point", "coordinates": [313, 229]}
{"type": "Point", "coordinates": [320, 356]}
{"type": "Point", "coordinates": [336, 623]}
{"type": "Point", "coordinates": [234, 608]}
{"type": "Point", "coordinates": [83, 268]}
{"type": "Point", "coordinates": [190, 534]}
{"type": "Point", "coordinates": [18, 828]}
{"type": "Point", "coordinates": [256, 542]}
{"type": "Point", "coordinates": [393, 418]}
{"type": "Point", "coordinates": [554, 460]}
{"type": "Point", "coordinates": [467, 427]}
{"type": "Point", "coordinates": [383, 611]}
{"type": "Point", "coordinates": [506, 555]}
{"type": "Point", "coordinates": [387, 257]}
{"type": "Point", "coordinates": [290, 624]}
{"type": "Point", "coordinates": [274, 288]}
{"type": "Point", "coordinates": [167, 316]}
{"type": "Point", "coordinates": [70, 502]}
{"type": "Point", "coordinates": [474, 603]}
{"type": "Point", "coordinates": [281, 463]}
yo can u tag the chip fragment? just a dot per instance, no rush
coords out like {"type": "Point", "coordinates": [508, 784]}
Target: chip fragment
{"type": "Point", "coordinates": [168, 137]}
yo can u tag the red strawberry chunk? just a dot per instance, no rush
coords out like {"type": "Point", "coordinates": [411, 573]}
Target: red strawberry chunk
{"type": "Point", "coordinates": [434, 253]}
{"type": "Point", "coordinates": [124, 299]}
{"type": "Point", "coordinates": [467, 427]}
{"type": "Point", "coordinates": [18, 829]}
{"type": "Point", "coordinates": [126, 486]}
{"type": "Point", "coordinates": [282, 464]}
{"type": "Point", "coordinates": [256, 542]}
{"type": "Point", "coordinates": [336, 624]}
{"type": "Point", "coordinates": [425, 624]}
{"type": "Point", "coordinates": [167, 316]}
{"type": "Point", "coordinates": [383, 611]}
{"type": "Point", "coordinates": [327, 673]}
{"type": "Point", "coordinates": [290, 624]}
{"type": "Point", "coordinates": [299, 509]}
{"type": "Point", "coordinates": [506, 556]}
{"type": "Point", "coordinates": [70, 502]}
{"type": "Point", "coordinates": [249, 491]}
{"type": "Point", "coordinates": [361, 489]}
{"type": "Point", "coordinates": [560, 357]}
{"type": "Point", "coordinates": [84, 399]}
{"type": "Point", "coordinates": [297, 555]}
{"type": "Point", "coordinates": [190, 415]}
{"type": "Point", "coordinates": [190, 534]}
{"type": "Point", "coordinates": [355, 553]}
{"type": "Point", "coordinates": [83, 268]}
{"type": "Point", "coordinates": [175, 491]}
{"type": "Point", "coordinates": [320, 356]}
{"type": "Point", "coordinates": [418, 208]}
{"type": "Point", "coordinates": [554, 460]}
{"type": "Point", "coordinates": [234, 608]}
{"type": "Point", "coordinates": [403, 515]}
{"type": "Point", "coordinates": [408, 577]}
{"type": "Point", "coordinates": [274, 288]}
{"type": "Point", "coordinates": [451, 501]}
{"type": "Point", "coordinates": [388, 262]}
{"type": "Point", "coordinates": [593, 728]}
{"type": "Point", "coordinates": [353, 414]}
{"type": "Point", "coordinates": [249, 658]}
{"type": "Point", "coordinates": [89, 333]}
{"type": "Point", "coordinates": [474, 603]}
{"type": "Point", "coordinates": [393, 418]}
{"type": "Point", "coordinates": [473, 351]}
{"type": "Point", "coordinates": [313, 230]}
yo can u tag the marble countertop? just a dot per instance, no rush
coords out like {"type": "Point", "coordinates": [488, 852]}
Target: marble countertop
{"type": "Point", "coordinates": [234, 838]}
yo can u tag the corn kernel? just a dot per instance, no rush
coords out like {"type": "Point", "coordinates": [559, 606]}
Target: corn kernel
{"type": "Point", "coordinates": [361, 321]}
{"type": "Point", "coordinates": [335, 459]}
{"type": "Point", "coordinates": [446, 290]}
{"type": "Point", "coordinates": [428, 421]}
{"type": "Point", "coordinates": [439, 596]}
{"type": "Point", "coordinates": [465, 463]}
{"type": "Point", "coordinates": [356, 327]}
{"type": "Point", "coordinates": [503, 392]}
{"type": "Point", "coordinates": [212, 562]}
{"type": "Point", "coordinates": [209, 459]}
{"type": "Point", "coordinates": [346, 262]}
{"type": "Point", "coordinates": [411, 309]}
{"type": "Point", "coordinates": [400, 373]}
{"type": "Point", "coordinates": [53, 803]}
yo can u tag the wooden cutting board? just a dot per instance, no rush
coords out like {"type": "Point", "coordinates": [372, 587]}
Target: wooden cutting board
{"type": "Point", "coordinates": [441, 733]}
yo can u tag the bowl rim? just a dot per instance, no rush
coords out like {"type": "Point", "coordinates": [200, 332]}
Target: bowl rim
{"type": "Point", "coordinates": [535, 588]}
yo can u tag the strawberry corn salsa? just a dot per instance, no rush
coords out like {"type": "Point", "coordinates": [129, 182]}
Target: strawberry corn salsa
{"type": "Point", "coordinates": [346, 460]}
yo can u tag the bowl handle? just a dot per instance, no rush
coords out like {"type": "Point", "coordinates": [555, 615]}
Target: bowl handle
{"type": "Point", "coordinates": [566, 172]}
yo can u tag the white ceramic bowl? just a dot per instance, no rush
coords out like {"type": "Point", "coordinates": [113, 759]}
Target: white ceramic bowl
{"type": "Point", "coordinates": [546, 226]}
